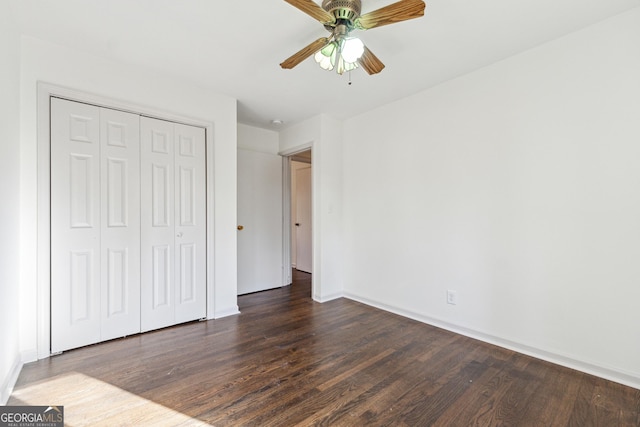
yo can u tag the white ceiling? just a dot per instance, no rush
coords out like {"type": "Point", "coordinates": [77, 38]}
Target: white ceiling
{"type": "Point", "coordinates": [234, 47]}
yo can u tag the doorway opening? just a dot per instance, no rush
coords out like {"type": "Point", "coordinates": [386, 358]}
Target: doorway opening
{"type": "Point", "coordinates": [298, 208]}
{"type": "Point", "coordinates": [301, 230]}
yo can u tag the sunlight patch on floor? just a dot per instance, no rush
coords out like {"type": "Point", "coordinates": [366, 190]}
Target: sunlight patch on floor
{"type": "Point", "coordinates": [90, 402]}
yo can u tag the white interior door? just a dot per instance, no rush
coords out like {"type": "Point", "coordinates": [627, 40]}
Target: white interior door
{"type": "Point", "coordinates": [120, 230]}
{"type": "Point", "coordinates": [190, 230]}
{"type": "Point", "coordinates": [260, 265]}
{"type": "Point", "coordinates": [157, 225]}
{"type": "Point", "coordinates": [94, 224]}
{"type": "Point", "coordinates": [75, 225]}
{"type": "Point", "coordinates": [303, 225]}
{"type": "Point", "coordinates": [173, 230]}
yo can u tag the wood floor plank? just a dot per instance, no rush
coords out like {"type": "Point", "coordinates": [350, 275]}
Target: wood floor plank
{"type": "Point", "coordinates": [287, 360]}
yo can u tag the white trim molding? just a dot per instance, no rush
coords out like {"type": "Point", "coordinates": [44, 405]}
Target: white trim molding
{"type": "Point", "coordinates": [287, 265]}
{"type": "Point", "coordinates": [328, 298]}
{"type": "Point", "coordinates": [10, 381]}
{"type": "Point", "coordinates": [225, 313]}
{"type": "Point", "coordinates": [297, 149]}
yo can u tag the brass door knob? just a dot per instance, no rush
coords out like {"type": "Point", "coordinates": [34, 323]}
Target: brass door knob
{"type": "Point", "coordinates": [240, 227]}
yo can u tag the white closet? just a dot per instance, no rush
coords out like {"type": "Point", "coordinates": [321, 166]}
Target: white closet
{"type": "Point", "coordinates": [127, 224]}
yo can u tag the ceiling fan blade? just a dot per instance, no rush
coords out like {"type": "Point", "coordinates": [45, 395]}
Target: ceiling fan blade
{"type": "Point", "coordinates": [313, 10]}
{"type": "Point", "coordinates": [370, 62]}
{"type": "Point", "coordinates": [304, 53]}
{"type": "Point", "coordinates": [402, 10]}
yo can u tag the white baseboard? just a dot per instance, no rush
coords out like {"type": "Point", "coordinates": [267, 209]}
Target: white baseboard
{"type": "Point", "coordinates": [607, 373]}
{"type": "Point", "coordinates": [29, 356]}
{"type": "Point", "coordinates": [226, 313]}
{"type": "Point", "coordinates": [329, 297]}
{"type": "Point", "coordinates": [10, 381]}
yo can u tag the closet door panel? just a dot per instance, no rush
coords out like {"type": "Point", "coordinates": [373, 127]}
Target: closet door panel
{"type": "Point", "coordinates": [120, 234]}
{"type": "Point", "coordinates": [157, 223]}
{"type": "Point", "coordinates": [190, 213]}
{"type": "Point", "coordinates": [75, 225]}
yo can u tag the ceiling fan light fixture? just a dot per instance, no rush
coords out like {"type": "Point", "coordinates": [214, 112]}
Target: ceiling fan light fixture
{"type": "Point", "coordinates": [326, 56]}
{"type": "Point", "coordinates": [340, 17]}
{"type": "Point", "coordinates": [352, 49]}
{"type": "Point", "coordinates": [343, 9]}
{"type": "Point", "coordinates": [324, 61]}
{"type": "Point", "coordinates": [329, 49]}
{"type": "Point", "coordinates": [345, 66]}
{"type": "Point", "coordinates": [343, 54]}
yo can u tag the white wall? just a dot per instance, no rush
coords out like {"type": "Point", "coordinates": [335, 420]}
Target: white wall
{"type": "Point", "coordinates": [260, 264]}
{"type": "Point", "coordinates": [324, 134]}
{"type": "Point", "coordinates": [10, 197]}
{"type": "Point", "coordinates": [328, 167]}
{"type": "Point", "coordinates": [258, 139]}
{"type": "Point", "coordinates": [42, 61]}
{"type": "Point", "coordinates": [518, 186]}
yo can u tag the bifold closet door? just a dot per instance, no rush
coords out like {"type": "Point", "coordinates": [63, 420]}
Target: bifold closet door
{"type": "Point", "coordinates": [173, 210]}
{"type": "Point", "coordinates": [95, 228]}
{"type": "Point", "coordinates": [120, 233]}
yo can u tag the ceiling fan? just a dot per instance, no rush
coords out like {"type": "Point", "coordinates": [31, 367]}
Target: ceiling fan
{"type": "Point", "coordinates": [340, 50]}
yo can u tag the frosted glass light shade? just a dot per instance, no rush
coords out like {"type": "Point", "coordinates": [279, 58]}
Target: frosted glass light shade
{"type": "Point", "coordinates": [353, 49]}
{"type": "Point", "coordinates": [342, 54]}
{"type": "Point", "coordinates": [324, 61]}
{"type": "Point", "coordinates": [326, 57]}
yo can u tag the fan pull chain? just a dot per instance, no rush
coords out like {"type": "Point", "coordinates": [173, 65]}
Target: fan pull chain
{"type": "Point", "coordinates": [349, 77]}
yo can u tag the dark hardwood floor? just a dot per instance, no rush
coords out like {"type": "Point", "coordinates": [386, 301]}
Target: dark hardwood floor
{"type": "Point", "coordinates": [287, 360]}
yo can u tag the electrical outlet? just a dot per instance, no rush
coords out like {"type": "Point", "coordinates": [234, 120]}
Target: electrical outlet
{"type": "Point", "coordinates": [452, 297]}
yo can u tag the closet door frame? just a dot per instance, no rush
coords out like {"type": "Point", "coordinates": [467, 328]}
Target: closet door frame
{"type": "Point", "coordinates": [46, 91]}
